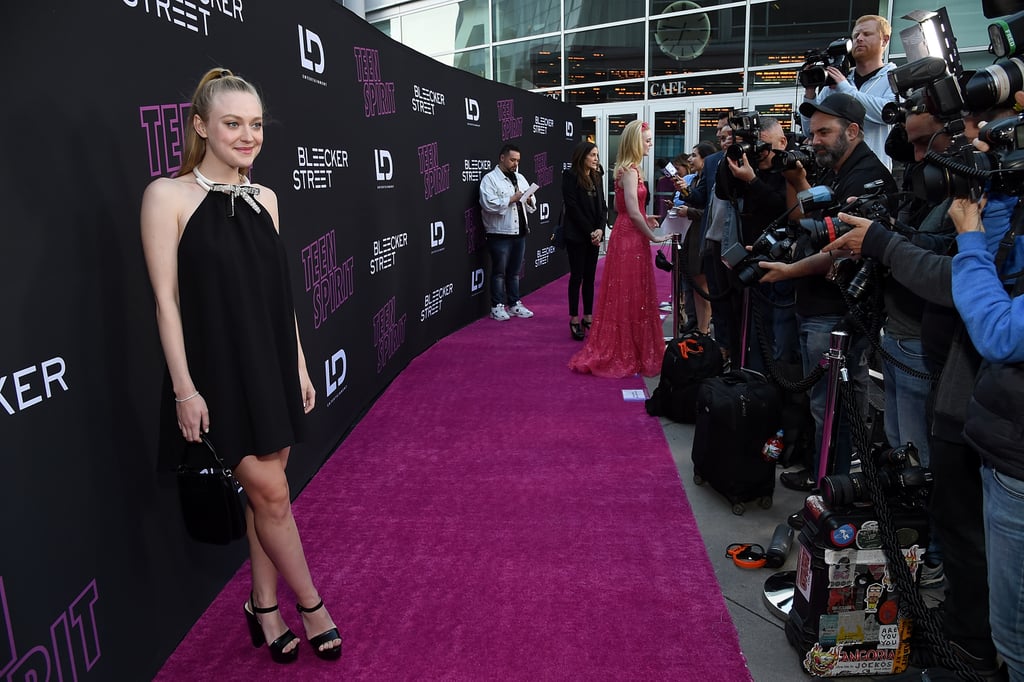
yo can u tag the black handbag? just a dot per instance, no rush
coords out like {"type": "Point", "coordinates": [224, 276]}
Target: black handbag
{"type": "Point", "coordinates": [558, 233]}
{"type": "Point", "coordinates": [211, 500]}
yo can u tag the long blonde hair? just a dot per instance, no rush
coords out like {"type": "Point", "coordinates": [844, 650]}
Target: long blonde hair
{"type": "Point", "coordinates": [631, 148]}
{"type": "Point", "coordinates": [213, 83]}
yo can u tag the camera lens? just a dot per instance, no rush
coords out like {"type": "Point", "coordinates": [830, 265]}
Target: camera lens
{"type": "Point", "coordinates": [842, 490]}
{"type": "Point", "coordinates": [892, 113]}
{"type": "Point", "coordinates": [813, 76]}
{"type": "Point", "coordinates": [994, 84]}
{"type": "Point", "coordinates": [736, 150]}
{"type": "Point", "coordinates": [824, 231]}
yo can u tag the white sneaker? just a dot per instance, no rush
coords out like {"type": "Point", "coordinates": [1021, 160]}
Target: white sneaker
{"type": "Point", "coordinates": [520, 310]}
{"type": "Point", "coordinates": [498, 313]}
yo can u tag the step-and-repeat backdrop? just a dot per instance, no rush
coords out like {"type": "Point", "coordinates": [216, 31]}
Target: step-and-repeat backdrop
{"type": "Point", "coordinates": [375, 153]}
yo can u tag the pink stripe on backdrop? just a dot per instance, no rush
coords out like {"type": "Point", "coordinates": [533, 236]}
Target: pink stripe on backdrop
{"type": "Point", "coordinates": [496, 517]}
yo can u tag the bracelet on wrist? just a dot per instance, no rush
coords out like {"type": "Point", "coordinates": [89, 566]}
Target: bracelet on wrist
{"type": "Point", "coordinates": [185, 400]}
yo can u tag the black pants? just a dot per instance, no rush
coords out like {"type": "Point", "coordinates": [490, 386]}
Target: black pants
{"type": "Point", "coordinates": [582, 268]}
{"type": "Point", "coordinates": [726, 303]}
{"type": "Point", "coordinates": [956, 511]}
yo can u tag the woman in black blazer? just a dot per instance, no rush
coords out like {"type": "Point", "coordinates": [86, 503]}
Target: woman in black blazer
{"type": "Point", "coordinates": [586, 215]}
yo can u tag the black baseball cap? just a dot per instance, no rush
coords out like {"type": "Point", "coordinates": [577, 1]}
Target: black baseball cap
{"type": "Point", "coordinates": [839, 104]}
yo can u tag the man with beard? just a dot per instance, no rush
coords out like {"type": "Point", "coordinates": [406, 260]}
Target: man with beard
{"type": "Point", "coordinates": [839, 148]}
{"type": "Point", "coordinates": [867, 82]}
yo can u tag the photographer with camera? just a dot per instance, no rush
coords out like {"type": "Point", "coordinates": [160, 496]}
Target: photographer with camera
{"type": "Point", "coordinates": [867, 81]}
{"type": "Point", "coordinates": [749, 180]}
{"type": "Point", "coordinates": [956, 499]}
{"type": "Point", "coordinates": [849, 165]}
{"type": "Point", "coordinates": [718, 217]}
{"type": "Point", "coordinates": [994, 318]}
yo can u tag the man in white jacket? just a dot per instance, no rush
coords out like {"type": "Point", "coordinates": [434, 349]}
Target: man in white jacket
{"type": "Point", "coordinates": [504, 216]}
{"type": "Point", "coordinates": [867, 82]}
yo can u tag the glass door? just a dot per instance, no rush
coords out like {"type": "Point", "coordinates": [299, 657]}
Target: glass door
{"type": "Point", "coordinates": [610, 120]}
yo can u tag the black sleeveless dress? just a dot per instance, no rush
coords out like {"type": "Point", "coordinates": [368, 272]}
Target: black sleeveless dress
{"type": "Point", "coordinates": [239, 328]}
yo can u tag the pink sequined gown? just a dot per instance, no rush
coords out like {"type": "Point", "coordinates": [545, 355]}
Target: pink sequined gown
{"type": "Point", "coordinates": [626, 337]}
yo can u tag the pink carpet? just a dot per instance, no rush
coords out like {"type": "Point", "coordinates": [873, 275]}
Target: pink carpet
{"type": "Point", "coordinates": [496, 517]}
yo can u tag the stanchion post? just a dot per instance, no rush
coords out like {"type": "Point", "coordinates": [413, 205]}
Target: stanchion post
{"type": "Point", "coordinates": [677, 275]}
{"type": "Point", "coordinates": [839, 344]}
{"type": "Point", "coordinates": [780, 587]}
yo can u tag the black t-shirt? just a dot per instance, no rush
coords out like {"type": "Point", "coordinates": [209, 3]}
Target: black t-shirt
{"type": "Point", "coordinates": [816, 295]}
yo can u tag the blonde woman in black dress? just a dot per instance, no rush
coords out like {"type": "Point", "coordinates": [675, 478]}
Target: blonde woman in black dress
{"type": "Point", "coordinates": [228, 330]}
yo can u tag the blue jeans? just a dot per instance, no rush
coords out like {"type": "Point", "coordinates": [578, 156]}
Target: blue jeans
{"type": "Point", "coordinates": [906, 396]}
{"type": "Point", "coordinates": [815, 340]}
{"type": "Point", "coordinates": [506, 263]}
{"type": "Point", "coordinates": [1004, 545]}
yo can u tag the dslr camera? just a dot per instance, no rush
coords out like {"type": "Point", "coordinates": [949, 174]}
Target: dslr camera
{"type": "Point", "coordinates": [899, 477]}
{"type": "Point", "coordinates": [872, 204]}
{"type": "Point", "coordinates": [746, 133]}
{"type": "Point", "coordinates": [968, 172]}
{"type": "Point", "coordinates": [814, 72]}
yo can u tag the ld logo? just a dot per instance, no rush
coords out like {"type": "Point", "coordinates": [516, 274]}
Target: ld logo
{"type": "Point", "coordinates": [476, 280]}
{"type": "Point", "coordinates": [545, 211]}
{"type": "Point", "coordinates": [569, 129]}
{"type": "Point", "coordinates": [472, 110]}
{"type": "Point", "coordinates": [436, 234]}
{"type": "Point", "coordinates": [334, 378]}
{"type": "Point", "coordinates": [385, 168]}
{"type": "Point", "coordinates": [311, 50]}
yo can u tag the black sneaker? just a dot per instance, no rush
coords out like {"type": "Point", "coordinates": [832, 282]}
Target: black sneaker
{"type": "Point", "coordinates": [798, 480]}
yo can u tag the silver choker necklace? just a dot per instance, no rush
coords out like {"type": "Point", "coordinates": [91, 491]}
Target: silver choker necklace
{"type": "Point", "coordinates": [244, 190]}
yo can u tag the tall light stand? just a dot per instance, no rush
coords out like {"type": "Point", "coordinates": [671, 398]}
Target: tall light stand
{"type": "Point", "coordinates": [780, 587]}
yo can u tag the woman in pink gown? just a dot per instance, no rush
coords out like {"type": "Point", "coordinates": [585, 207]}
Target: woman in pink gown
{"type": "Point", "coordinates": [627, 337]}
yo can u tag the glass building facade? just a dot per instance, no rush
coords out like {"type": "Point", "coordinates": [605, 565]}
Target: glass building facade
{"type": "Point", "coordinates": [590, 52]}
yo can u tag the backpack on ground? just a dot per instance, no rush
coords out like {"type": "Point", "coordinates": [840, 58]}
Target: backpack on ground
{"type": "Point", "coordinates": [688, 360]}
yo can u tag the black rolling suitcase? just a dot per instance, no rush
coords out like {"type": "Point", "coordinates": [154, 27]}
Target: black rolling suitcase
{"type": "Point", "coordinates": [688, 360]}
{"type": "Point", "coordinates": [736, 413]}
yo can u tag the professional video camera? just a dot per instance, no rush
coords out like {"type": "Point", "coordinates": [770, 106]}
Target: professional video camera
{"type": "Point", "coordinates": [814, 73]}
{"type": "Point", "coordinates": [746, 133]}
{"type": "Point", "coordinates": [902, 481]}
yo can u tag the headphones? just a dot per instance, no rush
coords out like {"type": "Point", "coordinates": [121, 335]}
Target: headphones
{"type": "Point", "coordinates": [746, 555]}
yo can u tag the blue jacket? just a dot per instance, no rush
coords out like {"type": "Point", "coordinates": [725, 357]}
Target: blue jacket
{"type": "Point", "coordinates": [994, 320]}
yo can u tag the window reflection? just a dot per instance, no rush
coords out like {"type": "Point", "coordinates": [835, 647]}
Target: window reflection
{"type": "Point", "coordinates": [525, 18]}
{"type": "Point", "coordinates": [474, 61]}
{"type": "Point", "coordinates": [605, 54]}
{"type": "Point", "coordinates": [529, 64]}
{"type": "Point", "coordinates": [580, 13]}
{"type": "Point", "coordinates": [806, 26]}
{"type": "Point", "coordinates": [619, 92]}
{"type": "Point", "coordinates": [675, 41]}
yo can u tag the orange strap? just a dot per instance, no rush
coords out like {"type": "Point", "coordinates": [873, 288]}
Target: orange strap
{"type": "Point", "coordinates": [746, 555]}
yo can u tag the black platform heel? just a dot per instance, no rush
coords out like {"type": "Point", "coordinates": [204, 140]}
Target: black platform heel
{"type": "Point", "coordinates": [277, 652]}
{"type": "Point", "coordinates": [576, 330]}
{"type": "Point", "coordinates": [324, 637]}
{"type": "Point", "coordinates": [586, 323]}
